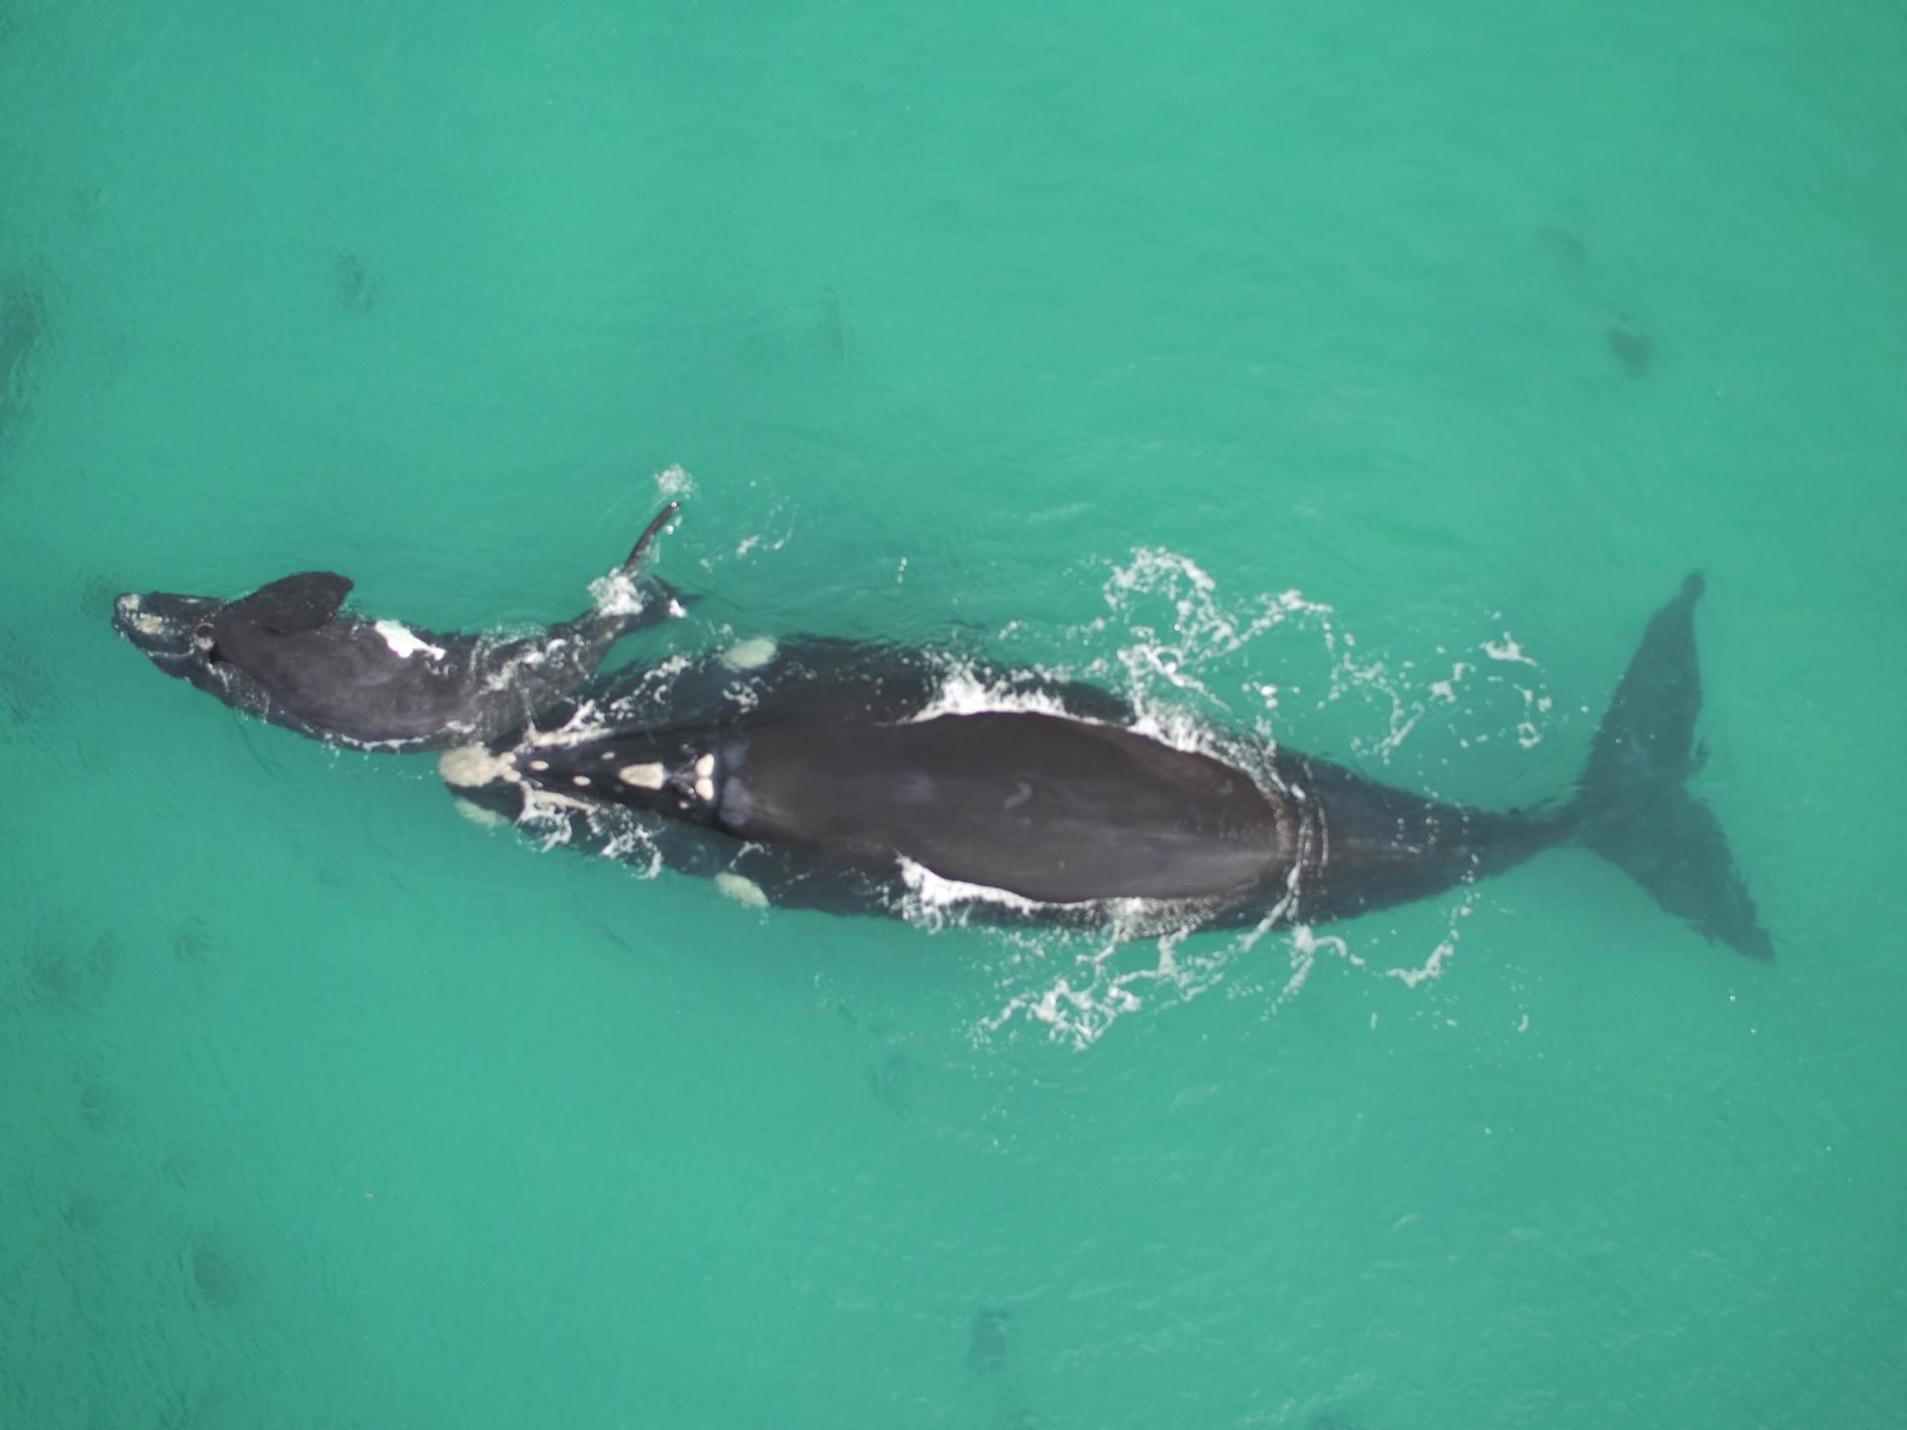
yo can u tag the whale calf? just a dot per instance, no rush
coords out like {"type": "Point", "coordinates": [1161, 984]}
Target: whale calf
{"type": "Point", "coordinates": [291, 654]}
{"type": "Point", "coordinates": [834, 779]}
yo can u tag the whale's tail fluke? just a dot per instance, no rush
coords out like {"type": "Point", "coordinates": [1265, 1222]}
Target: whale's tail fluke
{"type": "Point", "coordinates": [1633, 806]}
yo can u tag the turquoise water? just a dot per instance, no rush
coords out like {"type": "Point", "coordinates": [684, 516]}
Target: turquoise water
{"type": "Point", "coordinates": [1076, 334]}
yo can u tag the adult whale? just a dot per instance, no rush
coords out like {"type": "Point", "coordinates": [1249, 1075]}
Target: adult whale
{"type": "Point", "coordinates": [837, 779]}
{"type": "Point", "coordinates": [290, 654]}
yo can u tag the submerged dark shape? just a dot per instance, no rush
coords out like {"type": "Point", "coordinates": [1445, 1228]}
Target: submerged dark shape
{"type": "Point", "coordinates": [989, 1337]}
{"type": "Point", "coordinates": [22, 330]}
{"type": "Point", "coordinates": [215, 1277]}
{"type": "Point", "coordinates": [289, 653]}
{"type": "Point", "coordinates": [1633, 350]}
{"type": "Point", "coordinates": [836, 778]}
{"type": "Point", "coordinates": [352, 282]}
{"type": "Point", "coordinates": [1634, 807]}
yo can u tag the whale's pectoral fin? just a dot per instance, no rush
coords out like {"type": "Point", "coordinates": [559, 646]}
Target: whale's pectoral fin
{"type": "Point", "coordinates": [294, 603]}
{"type": "Point", "coordinates": [649, 534]}
{"type": "Point", "coordinates": [1634, 808]}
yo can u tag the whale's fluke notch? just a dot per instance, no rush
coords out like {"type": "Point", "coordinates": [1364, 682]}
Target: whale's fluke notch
{"type": "Point", "coordinates": [1633, 806]}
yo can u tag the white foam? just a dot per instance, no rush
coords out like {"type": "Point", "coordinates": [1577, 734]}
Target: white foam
{"type": "Point", "coordinates": [961, 692]}
{"type": "Point", "coordinates": [586, 722]}
{"type": "Point", "coordinates": [616, 594]}
{"type": "Point", "coordinates": [937, 894]}
{"type": "Point", "coordinates": [1446, 690]}
{"type": "Point", "coordinates": [1507, 649]}
{"type": "Point", "coordinates": [527, 653]}
{"type": "Point", "coordinates": [1431, 968]}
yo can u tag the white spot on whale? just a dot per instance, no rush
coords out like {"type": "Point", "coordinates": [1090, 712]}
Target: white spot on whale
{"type": "Point", "coordinates": [705, 765]}
{"type": "Point", "coordinates": [405, 642]}
{"type": "Point", "coordinates": [742, 890]}
{"type": "Point", "coordinates": [142, 621]}
{"type": "Point", "coordinates": [472, 767]}
{"type": "Point", "coordinates": [749, 654]}
{"type": "Point", "coordinates": [642, 776]}
{"type": "Point", "coordinates": [705, 789]}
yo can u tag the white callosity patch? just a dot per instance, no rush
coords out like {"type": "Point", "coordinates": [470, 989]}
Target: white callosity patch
{"type": "Point", "coordinates": [742, 890]}
{"type": "Point", "coordinates": [641, 776]}
{"type": "Point", "coordinates": [140, 620]}
{"type": "Point", "coordinates": [405, 642]}
{"type": "Point", "coordinates": [750, 654]}
{"type": "Point", "coordinates": [472, 767]}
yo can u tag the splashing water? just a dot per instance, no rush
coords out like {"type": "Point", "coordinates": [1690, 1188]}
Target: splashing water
{"type": "Point", "coordinates": [1177, 635]}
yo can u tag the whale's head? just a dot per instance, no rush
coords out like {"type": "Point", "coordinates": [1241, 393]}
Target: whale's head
{"type": "Point", "coordinates": [176, 633]}
{"type": "Point", "coordinates": [212, 642]}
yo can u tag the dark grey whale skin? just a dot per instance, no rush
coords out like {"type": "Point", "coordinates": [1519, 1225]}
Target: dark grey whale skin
{"type": "Point", "coordinates": [288, 653]}
{"type": "Point", "coordinates": [814, 779]}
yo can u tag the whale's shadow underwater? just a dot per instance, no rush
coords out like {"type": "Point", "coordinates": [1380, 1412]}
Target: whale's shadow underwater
{"type": "Point", "coordinates": [834, 775]}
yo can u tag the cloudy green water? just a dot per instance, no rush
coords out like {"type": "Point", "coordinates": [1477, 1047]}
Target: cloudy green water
{"type": "Point", "coordinates": [1478, 325]}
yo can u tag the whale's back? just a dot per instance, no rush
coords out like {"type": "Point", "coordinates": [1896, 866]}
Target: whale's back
{"type": "Point", "coordinates": [1042, 806]}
